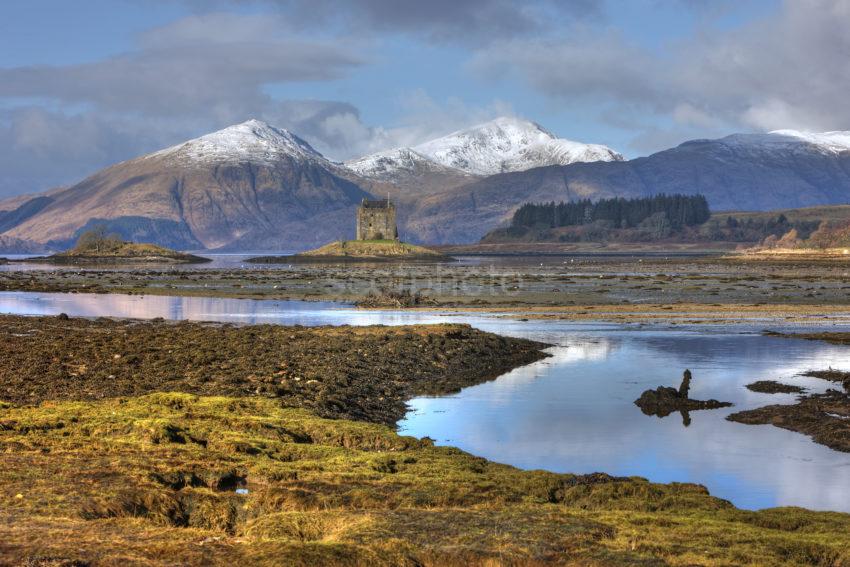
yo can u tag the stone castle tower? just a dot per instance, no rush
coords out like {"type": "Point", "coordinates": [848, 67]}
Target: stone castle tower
{"type": "Point", "coordinates": [376, 220]}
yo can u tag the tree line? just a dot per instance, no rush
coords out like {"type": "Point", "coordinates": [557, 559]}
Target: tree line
{"type": "Point", "coordinates": [679, 211]}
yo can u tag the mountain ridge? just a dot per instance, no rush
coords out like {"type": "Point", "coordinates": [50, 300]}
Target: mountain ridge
{"type": "Point", "coordinates": [738, 172]}
{"type": "Point", "coordinates": [500, 145]}
{"type": "Point", "coordinates": [254, 186]}
{"type": "Point", "coordinates": [249, 182]}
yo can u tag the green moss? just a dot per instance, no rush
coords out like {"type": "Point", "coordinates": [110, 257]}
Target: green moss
{"type": "Point", "coordinates": [160, 479]}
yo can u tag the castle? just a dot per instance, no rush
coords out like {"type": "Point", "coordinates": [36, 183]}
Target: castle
{"type": "Point", "coordinates": [376, 220]}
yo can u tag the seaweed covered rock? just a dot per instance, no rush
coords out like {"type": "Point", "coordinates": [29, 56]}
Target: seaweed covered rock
{"type": "Point", "coordinates": [773, 387]}
{"type": "Point", "coordinates": [665, 400]}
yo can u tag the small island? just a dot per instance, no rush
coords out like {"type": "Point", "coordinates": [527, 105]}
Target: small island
{"type": "Point", "coordinates": [377, 241]}
{"type": "Point", "coordinates": [359, 251]}
{"type": "Point", "coordinates": [97, 247]}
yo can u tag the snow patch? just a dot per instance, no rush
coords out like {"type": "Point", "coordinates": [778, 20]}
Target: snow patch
{"type": "Point", "coordinates": [793, 141]}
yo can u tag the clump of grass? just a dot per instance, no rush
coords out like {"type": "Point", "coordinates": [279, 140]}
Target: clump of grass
{"type": "Point", "coordinates": [398, 298]}
{"type": "Point", "coordinates": [84, 481]}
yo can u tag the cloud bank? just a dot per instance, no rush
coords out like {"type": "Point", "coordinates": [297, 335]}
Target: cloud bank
{"type": "Point", "coordinates": [791, 70]}
{"type": "Point", "coordinates": [204, 71]}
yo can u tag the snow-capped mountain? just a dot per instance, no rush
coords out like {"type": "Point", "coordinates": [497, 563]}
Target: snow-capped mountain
{"type": "Point", "coordinates": [254, 186]}
{"type": "Point", "coordinates": [509, 144]}
{"type": "Point", "coordinates": [409, 171]}
{"type": "Point", "coordinates": [251, 141]}
{"type": "Point", "coordinates": [250, 186]}
{"type": "Point", "coordinates": [501, 145]}
{"type": "Point", "coordinates": [746, 172]}
{"type": "Point", "coordinates": [392, 163]}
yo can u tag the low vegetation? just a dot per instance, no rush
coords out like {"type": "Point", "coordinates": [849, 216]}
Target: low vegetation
{"type": "Point", "coordinates": [358, 250]}
{"type": "Point", "coordinates": [173, 478]}
{"type": "Point", "coordinates": [97, 246]}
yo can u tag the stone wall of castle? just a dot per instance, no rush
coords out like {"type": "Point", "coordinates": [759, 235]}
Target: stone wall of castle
{"type": "Point", "coordinates": [376, 220]}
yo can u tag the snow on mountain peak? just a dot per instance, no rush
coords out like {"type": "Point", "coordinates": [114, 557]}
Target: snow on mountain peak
{"type": "Point", "coordinates": [793, 141]}
{"type": "Point", "coordinates": [830, 141]}
{"type": "Point", "coordinates": [251, 141]}
{"type": "Point", "coordinates": [389, 164]}
{"type": "Point", "coordinates": [509, 144]}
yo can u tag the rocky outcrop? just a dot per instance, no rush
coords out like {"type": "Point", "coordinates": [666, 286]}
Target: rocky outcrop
{"type": "Point", "coordinates": [665, 400]}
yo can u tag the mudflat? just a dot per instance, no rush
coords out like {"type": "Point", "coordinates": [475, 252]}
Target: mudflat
{"type": "Point", "coordinates": [516, 283]}
{"type": "Point", "coordinates": [127, 442]}
{"type": "Point", "coordinates": [364, 373]}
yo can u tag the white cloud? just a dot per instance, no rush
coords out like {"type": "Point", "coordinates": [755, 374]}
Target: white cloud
{"type": "Point", "coordinates": [787, 70]}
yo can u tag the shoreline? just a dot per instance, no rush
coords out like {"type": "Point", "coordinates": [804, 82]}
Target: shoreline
{"type": "Point", "coordinates": [816, 315]}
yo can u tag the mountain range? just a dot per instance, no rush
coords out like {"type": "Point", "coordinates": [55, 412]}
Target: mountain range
{"type": "Point", "coordinates": [256, 187]}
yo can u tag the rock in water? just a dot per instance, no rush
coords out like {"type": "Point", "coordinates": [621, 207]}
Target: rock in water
{"type": "Point", "coordinates": [685, 386]}
{"type": "Point", "coordinates": [665, 400]}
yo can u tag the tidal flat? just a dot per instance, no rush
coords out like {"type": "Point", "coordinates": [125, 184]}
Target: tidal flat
{"type": "Point", "coordinates": [824, 416]}
{"type": "Point", "coordinates": [558, 282]}
{"type": "Point", "coordinates": [364, 373]}
{"type": "Point", "coordinates": [104, 464]}
{"type": "Point", "coordinates": [129, 441]}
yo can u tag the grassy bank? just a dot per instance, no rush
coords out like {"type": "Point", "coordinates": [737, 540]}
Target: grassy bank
{"type": "Point", "coordinates": [359, 251]}
{"type": "Point", "coordinates": [171, 478]}
{"type": "Point", "coordinates": [120, 253]}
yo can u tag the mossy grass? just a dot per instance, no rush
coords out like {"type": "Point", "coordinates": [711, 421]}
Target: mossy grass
{"type": "Point", "coordinates": [174, 478]}
{"type": "Point", "coordinates": [121, 253]}
{"type": "Point", "coordinates": [360, 251]}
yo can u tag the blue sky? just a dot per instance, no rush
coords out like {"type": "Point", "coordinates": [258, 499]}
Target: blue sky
{"type": "Point", "coordinates": [84, 84]}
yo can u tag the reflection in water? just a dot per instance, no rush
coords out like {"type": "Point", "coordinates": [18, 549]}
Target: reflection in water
{"type": "Point", "coordinates": [579, 416]}
{"type": "Point", "coordinates": [574, 411]}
